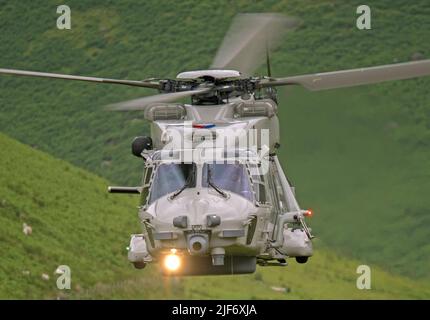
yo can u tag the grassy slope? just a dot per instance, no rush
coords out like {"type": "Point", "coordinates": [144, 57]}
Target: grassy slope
{"type": "Point", "coordinates": [76, 223]}
{"type": "Point", "coordinates": [327, 276]}
{"type": "Point", "coordinates": [358, 156]}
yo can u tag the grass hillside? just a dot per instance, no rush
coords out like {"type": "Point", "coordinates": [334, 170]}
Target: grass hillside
{"type": "Point", "coordinates": [359, 157]}
{"type": "Point", "coordinates": [76, 223]}
{"type": "Point", "coordinates": [327, 276]}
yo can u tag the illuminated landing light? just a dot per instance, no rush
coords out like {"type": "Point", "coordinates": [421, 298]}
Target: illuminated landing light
{"type": "Point", "coordinates": [172, 262]}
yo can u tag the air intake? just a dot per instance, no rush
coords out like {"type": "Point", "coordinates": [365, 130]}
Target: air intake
{"type": "Point", "coordinates": [165, 112]}
{"type": "Point", "coordinates": [258, 108]}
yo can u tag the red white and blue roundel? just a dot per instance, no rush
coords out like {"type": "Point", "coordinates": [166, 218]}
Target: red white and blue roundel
{"type": "Point", "coordinates": [203, 125]}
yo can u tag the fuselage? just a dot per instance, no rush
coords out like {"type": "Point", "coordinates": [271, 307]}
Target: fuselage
{"type": "Point", "coordinates": [211, 190]}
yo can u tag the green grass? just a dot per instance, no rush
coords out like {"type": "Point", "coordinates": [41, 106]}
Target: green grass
{"type": "Point", "coordinates": [359, 157]}
{"type": "Point", "coordinates": [325, 276]}
{"type": "Point", "coordinates": [76, 223]}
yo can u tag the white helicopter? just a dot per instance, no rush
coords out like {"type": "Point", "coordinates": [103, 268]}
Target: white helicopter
{"type": "Point", "coordinates": [214, 198]}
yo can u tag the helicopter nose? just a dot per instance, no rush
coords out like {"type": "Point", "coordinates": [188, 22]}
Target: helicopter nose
{"type": "Point", "coordinates": [198, 244]}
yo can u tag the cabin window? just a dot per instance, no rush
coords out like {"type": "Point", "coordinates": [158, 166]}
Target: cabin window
{"type": "Point", "coordinates": [229, 177]}
{"type": "Point", "coordinates": [170, 178]}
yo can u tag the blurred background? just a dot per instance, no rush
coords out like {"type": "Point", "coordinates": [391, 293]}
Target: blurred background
{"type": "Point", "coordinates": [359, 157]}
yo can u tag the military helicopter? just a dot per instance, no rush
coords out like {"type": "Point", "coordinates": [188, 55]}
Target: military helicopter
{"type": "Point", "coordinates": [214, 198]}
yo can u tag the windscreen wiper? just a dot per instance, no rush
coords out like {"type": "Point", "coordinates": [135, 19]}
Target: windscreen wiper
{"type": "Point", "coordinates": [210, 183]}
{"type": "Point", "coordinates": [190, 179]}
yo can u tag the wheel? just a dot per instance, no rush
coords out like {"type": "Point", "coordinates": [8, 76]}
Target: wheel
{"type": "Point", "coordinates": [139, 264]}
{"type": "Point", "coordinates": [302, 259]}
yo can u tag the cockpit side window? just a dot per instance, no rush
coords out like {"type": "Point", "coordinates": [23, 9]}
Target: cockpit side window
{"type": "Point", "coordinates": [146, 185]}
{"type": "Point", "coordinates": [170, 177]}
{"type": "Point", "coordinates": [258, 180]}
{"type": "Point", "coordinates": [229, 177]}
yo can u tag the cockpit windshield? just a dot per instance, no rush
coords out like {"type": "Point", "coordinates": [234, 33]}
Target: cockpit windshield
{"type": "Point", "coordinates": [172, 177]}
{"type": "Point", "coordinates": [227, 176]}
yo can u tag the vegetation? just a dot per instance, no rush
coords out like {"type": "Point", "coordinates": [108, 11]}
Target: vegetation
{"type": "Point", "coordinates": [359, 157]}
{"type": "Point", "coordinates": [74, 222]}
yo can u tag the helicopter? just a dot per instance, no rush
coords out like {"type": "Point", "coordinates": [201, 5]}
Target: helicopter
{"type": "Point", "coordinates": [214, 198]}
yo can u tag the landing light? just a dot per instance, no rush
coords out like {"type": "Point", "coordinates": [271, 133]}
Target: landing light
{"type": "Point", "coordinates": [172, 262]}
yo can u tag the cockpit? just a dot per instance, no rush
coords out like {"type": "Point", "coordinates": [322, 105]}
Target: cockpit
{"type": "Point", "coordinates": [221, 173]}
{"type": "Point", "coordinates": [173, 178]}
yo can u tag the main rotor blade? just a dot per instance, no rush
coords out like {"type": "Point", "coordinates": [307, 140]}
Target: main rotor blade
{"type": "Point", "coordinates": [355, 77]}
{"type": "Point", "coordinates": [145, 84]}
{"type": "Point", "coordinates": [244, 46]}
{"type": "Point", "coordinates": [142, 103]}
